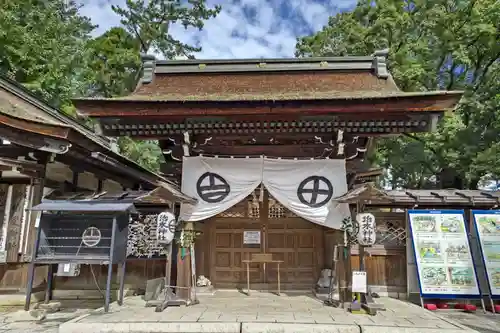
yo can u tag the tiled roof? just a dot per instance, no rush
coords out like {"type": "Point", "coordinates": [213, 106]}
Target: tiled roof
{"type": "Point", "coordinates": [424, 198]}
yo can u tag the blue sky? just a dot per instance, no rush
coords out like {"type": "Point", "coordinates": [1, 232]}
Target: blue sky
{"type": "Point", "coordinates": [244, 28]}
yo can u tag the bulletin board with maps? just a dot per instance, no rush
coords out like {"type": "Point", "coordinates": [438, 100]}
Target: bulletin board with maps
{"type": "Point", "coordinates": [442, 254]}
{"type": "Point", "coordinates": [487, 225]}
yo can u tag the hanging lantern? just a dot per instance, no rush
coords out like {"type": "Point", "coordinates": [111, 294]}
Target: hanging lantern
{"type": "Point", "coordinates": [367, 229]}
{"type": "Point", "coordinates": [165, 227]}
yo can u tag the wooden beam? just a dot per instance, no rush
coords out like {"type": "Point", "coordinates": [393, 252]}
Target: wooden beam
{"type": "Point", "coordinates": [288, 151]}
{"type": "Point", "coordinates": [75, 158]}
{"type": "Point", "coordinates": [22, 164]}
{"type": "Point", "coordinates": [263, 138]}
{"type": "Point", "coordinates": [378, 107]}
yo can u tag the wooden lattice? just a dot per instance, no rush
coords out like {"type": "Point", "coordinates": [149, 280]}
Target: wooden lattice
{"type": "Point", "coordinates": [254, 209]}
{"type": "Point", "coordinates": [238, 210]}
{"type": "Point", "coordinates": [278, 211]}
{"type": "Point", "coordinates": [250, 208]}
{"type": "Point", "coordinates": [391, 233]}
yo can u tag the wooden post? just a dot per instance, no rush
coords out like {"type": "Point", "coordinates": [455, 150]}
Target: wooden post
{"type": "Point", "coordinates": [107, 300]}
{"type": "Point", "coordinates": [184, 267]}
{"type": "Point", "coordinates": [48, 288]}
{"type": "Point", "coordinates": [33, 232]}
{"type": "Point", "coordinates": [123, 266]}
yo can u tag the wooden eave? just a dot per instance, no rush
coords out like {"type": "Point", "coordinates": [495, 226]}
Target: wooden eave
{"type": "Point", "coordinates": [16, 130]}
{"type": "Point", "coordinates": [364, 193]}
{"type": "Point", "coordinates": [448, 198]}
{"type": "Point", "coordinates": [156, 197]}
{"type": "Point", "coordinates": [370, 173]}
{"type": "Point", "coordinates": [55, 131]}
{"type": "Point", "coordinates": [40, 121]}
{"type": "Point", "coordinates": [438, 101]}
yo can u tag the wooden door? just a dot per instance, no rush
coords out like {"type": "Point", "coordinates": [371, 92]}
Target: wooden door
{"type": "Point", "coordinates": [228, 250]}
{"type": "Point", "coordinates": [298, 243]}
{"type": "Point", "coordinates": [295, 241]}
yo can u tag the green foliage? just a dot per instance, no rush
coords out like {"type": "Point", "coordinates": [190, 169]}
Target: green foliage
{"type": "Point", "coordinates": [46, 46]}
{"type": "Point", "coordinates": [146, 153]}
{"type": "Point", "coordinates": [113, 63]}
{"type": "Point", "coordinates": [150, 21]}
{"type": "Point", "coordinates": [42, 46]}
{"type": "Point", "coordinates": [442, 44]}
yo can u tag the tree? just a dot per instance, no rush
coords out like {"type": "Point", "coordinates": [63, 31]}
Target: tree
{"type": "Point", "coordinates": [112, 61]}
{"type": "Point", "coordinates": [443, 44]}
{"type": "Point", "coordinates": [42, 46]}
{"type": "Point", "coordinates": [150, 22]}
{"type": "Point", "coordinates": [146, 153]}
{"type": "Point", "coordinates": [147, 24]}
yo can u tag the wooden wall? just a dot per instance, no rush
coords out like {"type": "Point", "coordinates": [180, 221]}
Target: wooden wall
{"type": "Point", "coordinates": [385, 262]}
{"type": "Point", "coordinates": [14, 277]}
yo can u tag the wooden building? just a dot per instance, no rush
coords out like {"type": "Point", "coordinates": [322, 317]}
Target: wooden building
{"type": "Point", "coordinates": [315, 108]}
{"type": "Point", "coordinates": [398, 276]}
{"type": "Point", "coordinates": [45, 152]}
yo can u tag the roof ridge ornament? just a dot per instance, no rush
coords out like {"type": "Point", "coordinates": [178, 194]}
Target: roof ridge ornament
{"type": "Point", "coordinates": [148, 67]}
{"type": "Point", "coordinates": [380, 63]}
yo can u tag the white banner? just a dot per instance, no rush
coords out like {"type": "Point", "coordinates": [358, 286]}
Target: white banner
{"type": "Point", "coordinates": [217, 183]}
{"type": "Point", "coordinates": [307, 187]}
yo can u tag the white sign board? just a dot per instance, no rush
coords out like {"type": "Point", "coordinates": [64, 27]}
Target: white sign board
{"type": "Point", "coordinates": [442, 253]}
{"type": "Point", "coordinates": [488, 231]}
{"type": "Point", "coordinates": [358, 281]}
{"type": "Point", "coordinates": [251, 237]}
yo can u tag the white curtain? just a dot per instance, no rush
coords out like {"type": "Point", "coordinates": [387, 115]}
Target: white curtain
{"type": "Point", "coordinates": [217, 184]}
{"type": "Point", "coordinates": [307, 187]}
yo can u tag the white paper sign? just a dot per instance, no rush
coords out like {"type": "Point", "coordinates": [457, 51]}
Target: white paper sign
{"type": "Point", "coordinates": [442, 253]}
{"type": "Point", "coordinates": [251, 237]}
{"type": "Point", "coordinates": [66, 268]}
{"type": "Point", "coordinates": [358, 282]}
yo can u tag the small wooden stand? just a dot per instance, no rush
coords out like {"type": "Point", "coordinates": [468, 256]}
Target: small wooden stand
{"type": "Point", "coordinates": [262, 258]}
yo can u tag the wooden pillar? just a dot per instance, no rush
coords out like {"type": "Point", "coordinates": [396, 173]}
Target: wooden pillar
{"type": "Point", "coordinates": [184, 266]}
{"type": "Point", "coordinates": [74, 180]}
{"type": "Point", "coordinates": [5, 225]}
{"type": "Point", "coordinates": [37, 186]}
{"type": "Point", "coordinates": [99, 185]}
{"type": "Point", "coordinates": [32, 233]}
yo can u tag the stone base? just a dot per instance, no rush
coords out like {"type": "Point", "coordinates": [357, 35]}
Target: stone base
{"type": "Point", "coordinates": [18, 299]}
{"type": "Point", "coordinates": [208, 290]}
{"type": "Point", "coordinates": [49, 307]}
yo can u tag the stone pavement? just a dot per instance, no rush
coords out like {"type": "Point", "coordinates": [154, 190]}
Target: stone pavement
{"type": "Point", "coordinates": [15, 320]}
{"type": "Point", "coordinates": [479, 321]}
{"type": "Point", "coordinates": [261, 312]}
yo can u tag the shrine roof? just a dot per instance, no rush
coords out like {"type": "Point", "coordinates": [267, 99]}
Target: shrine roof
{"type": "Point", "coordinates": [372, 196]}
{"type": "Point", "coordinates": [282, 96]}
{"type": "Point", "coordinates": [19, 103]}
{"type": "Point", "coordinates": [36, 120]}
{"type": "Point", "coordinates": [156, 197]}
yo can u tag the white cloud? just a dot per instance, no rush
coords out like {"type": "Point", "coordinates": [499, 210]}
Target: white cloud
{"type": "Point", "coordinates": [244, 28]}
